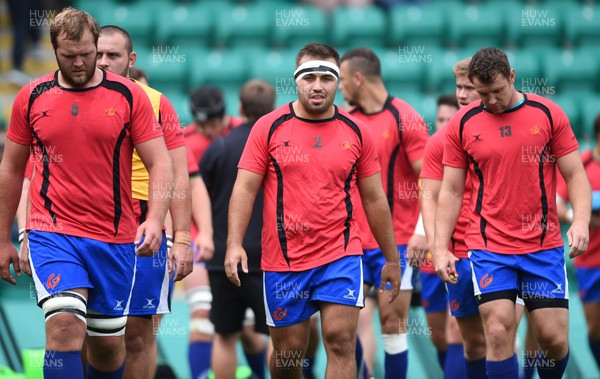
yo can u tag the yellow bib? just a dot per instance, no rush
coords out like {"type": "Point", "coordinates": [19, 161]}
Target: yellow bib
{"type": "Point", "coordinates": [139, 174]}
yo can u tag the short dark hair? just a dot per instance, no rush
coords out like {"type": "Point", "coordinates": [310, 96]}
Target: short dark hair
{"type": "Point", "coordinates": [318, 50]}
{"type": "Point", "coordinates": [257, 98]}
{"type": "Point", "coordinates": [487, 63]}
{"type": "Point", "coordinates": [207, 103]}
{"type": "Point", "coordinates": [73, 23]}
{"type": "Point", "coordinates": [597, 125]}
{"type": "Point", "coordinates": [112, 29]}
{"type": "Point", "coordinates": [364, 60]}
{"type": "Point", "coordinates": [449, 99]}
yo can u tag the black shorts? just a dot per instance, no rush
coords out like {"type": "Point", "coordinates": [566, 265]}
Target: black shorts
{"type": "Point", "coordinates": [229, 303]}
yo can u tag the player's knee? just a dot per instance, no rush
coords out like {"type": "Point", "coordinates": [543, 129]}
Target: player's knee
{"type": "Point", "coordinates": [65, 318]}
{"type": "Point", "coordinates": [339, 342]}
{"type": "Point", "coordinates": [134, 344]}
{"type": "Point", "coordinates": [474, 345]}
{"type": "Point", "coordinates": [498, 334]}
{"type": "Point", "coordinates": [553, 340]}
{"type": "Point", "coordinates": [438, 338]}
{"type": "Point", "coordinates": [391, 324]}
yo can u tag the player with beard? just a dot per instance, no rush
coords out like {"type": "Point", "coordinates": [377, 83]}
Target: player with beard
{"type": "Point", "coordinates": [310, 158]}
{"type": "Point", "coordinates": [81, 124]}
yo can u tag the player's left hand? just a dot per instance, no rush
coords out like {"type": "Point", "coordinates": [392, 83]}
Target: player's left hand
{"type": "Point", "coordinates": [578, 236]}
{"type": "Point", "coordinates": [180, 259]}
{"type": "Point", "coordinates": [390, 273]}
{"type": "Point", "coordinates": [416, 250]}
{"type": "Point", "coordinates": [151, 231]}
{"type": "Point", "coordinates": [204, 247]}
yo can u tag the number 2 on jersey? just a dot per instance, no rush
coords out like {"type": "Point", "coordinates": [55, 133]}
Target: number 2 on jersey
{"type": "Point", "coordinates": [318, 142]}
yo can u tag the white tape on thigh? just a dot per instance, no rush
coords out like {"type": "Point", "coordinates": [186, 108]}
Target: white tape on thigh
{"type": "Point", "coordinates": [519, 301]}
{"type": "Point", "coordinates": [249, 318]}
{"type": "Point", "coordinates": [199, 298]}
{"type": "Point", "coordinates": [105, 326]}
{"type": "Point", "coordinates": [65, 302]}
{"type": "Point", "coordinates": [201, 325]}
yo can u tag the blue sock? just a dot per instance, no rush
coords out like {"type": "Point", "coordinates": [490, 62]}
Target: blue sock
{"type": "Point", "coordinates": [62, 364]}
{"type": "Point", "coordinates": [506, 369]}
{"type": "Point", "coordinates": [362, 371]}
{"type": "Point", "coordinates": [476, 369]}
{"type": "Point", "coordinates": [257, 363]}
{"type": "Point", "coordinates": [92, 373]}
{"type": "Point", "coordinates": [455, 365]}
{"type": "Point", "coordinates": [441, 358]}
{"type": "Point", "coordinates": [199, 358]}
{"type": "Point", "coordinates": [595, 347]}
{"type": "Point", "coordinates": [307, 368]}
{"type": "Point", "coordinates": [396, 365]}
{"type": "Point", "coordinates": [552, 369]}
{"type": "Point", "coordinates": [529, 365]}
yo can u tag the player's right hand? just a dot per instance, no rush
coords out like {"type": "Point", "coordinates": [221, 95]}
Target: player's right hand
{"type": "Point", "coordinates": [151, 230]}
{"type": "Point", "coordinates": [8, 256]}
{"type": "Point", "coordinates": [24, 256]}
{"type": "Point", "coordinates": [233, 257]}
{"type": "Point", "coordinates": [578, 237]}
{"type": "Point", "coordinates": [391, 273]}
{"type": "Point", "coordinates": [443, 261]}
{"type": "Point", "coordinates": [203, 248]}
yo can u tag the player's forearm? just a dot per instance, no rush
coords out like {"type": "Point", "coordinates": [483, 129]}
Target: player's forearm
{"type": "Point", "coordinates": [446, 215]}
{"type": "Point", "coordinates": [201, 208]}
{"type": "Point", "coordinates": [428, 207]}
{"type": "Point", "coordinates": [11, 185]}
{"type": "Point", "coordinates": [430, 190]}
{"type": "Point", "coordinates": [160, 189]}
{"type": "Point", "coordinates": [181, 201]}
{"type": "Point", "coordinates": [240, 211]}
{"type": "Point", "coordinates": [23, 208]}
{"type": "Point", "coordinates": [580, 195]}
{"type": "Point", "coordinates": [380, 222]}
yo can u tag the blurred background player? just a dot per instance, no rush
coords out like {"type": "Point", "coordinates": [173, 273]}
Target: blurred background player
{"type": "Point", "coordinates": [311, 258]}
{"type": "Point", "coordinates": [400, 137]}
{"type": "Point", "coordinates": [230, 303]}
{"type": "Point", "coordinates": [151, 293]}
{"type": "Point", "coordinates": [510, 256]}
{"type": "Point", "coordinates": [210, 121]}
{"type": "Point", "coordinates": [447, 105]}
{"type": "Point", "coordinates": [587, 266]}
{"type": "Point", "coordinates": [74, 294]}
{"type": "Point", "coordinates": [434, 297]}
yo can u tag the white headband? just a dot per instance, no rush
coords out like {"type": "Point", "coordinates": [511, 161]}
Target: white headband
{"type": "Point", "coordinates": [320, 67]}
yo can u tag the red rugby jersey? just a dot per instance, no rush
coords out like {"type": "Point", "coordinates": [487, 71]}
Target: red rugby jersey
{"type": "Point", "coordinates": [82, 143]}
{"type": "Point", "coordinates": [433, 168]}
{"type": "Point", "coordinates": [400, 138]}
{"type": "Point", "coordinates": [591, 258]}
{"type": "Point", "coordinates": [511, 160]}
{"type": "Point", "coordinates": [310, 169]}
